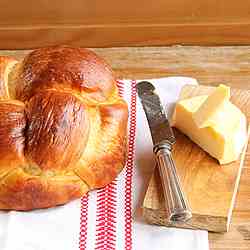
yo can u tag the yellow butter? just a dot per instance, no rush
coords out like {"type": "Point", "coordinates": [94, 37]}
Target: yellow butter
{"type": "Point", "coordinates": [211, 105]}
{"type": "Point", "coordinates": [225, 135]}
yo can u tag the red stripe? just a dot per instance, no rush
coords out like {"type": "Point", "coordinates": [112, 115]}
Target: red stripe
{"type": "Point", "coordinates": [83, 222]}
{"type": "Point", "coordinates": [106, 217]}
{"type": "Point", "coordinates": [120, 86]}
{"type": "Point", "coordinates": [129, 169]}
{"type": "Point", "coordinates": [106, 211]}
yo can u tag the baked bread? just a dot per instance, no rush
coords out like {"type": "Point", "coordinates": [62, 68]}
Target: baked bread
{"type": "Point", "coordinates": [62, 127]}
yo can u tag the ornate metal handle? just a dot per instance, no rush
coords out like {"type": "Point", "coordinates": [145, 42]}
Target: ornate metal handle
{"type": "Point", "coordinates": [176, 203]}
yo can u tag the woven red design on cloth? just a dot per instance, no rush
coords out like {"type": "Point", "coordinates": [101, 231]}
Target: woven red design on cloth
{"type": "Point", "coordinates": [106, 217]}
{"type": "Point", "coordinates": [129, 169]}
{"type": "Point", "coordinates": [83, 222]}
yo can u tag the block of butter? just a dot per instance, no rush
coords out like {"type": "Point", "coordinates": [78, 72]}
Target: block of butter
{"type": "Point", "coordinates": [213, 123]}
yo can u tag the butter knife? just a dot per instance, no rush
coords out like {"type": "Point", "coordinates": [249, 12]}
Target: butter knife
{"type": "Point", "coordinates": [163, 140]}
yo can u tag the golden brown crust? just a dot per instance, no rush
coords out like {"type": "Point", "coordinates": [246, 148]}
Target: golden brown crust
{"type": "Point", "coordinates": [6, 64]}
{"type": "Point", "coordinates": [105, 155]}
{"type": "Point", "coordinates": [66, 133]}
{"type": "Point", "coordinates": [62, 67]}
{"type": "Point", "coordinates": [12, 137]}
{"type": "Point", "coordinates": [21, 191]}
{"type": "Point", "coordinates": [57, 132]}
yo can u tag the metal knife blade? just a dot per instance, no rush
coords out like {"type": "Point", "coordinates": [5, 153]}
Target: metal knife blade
{"type": "Point", "coordinates": [156, 116]}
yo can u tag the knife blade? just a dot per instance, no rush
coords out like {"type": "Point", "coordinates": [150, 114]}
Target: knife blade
{"type": "Point", "coordinates": [158, 123]}
{"type": "Point", "coordinates": [163, 140]}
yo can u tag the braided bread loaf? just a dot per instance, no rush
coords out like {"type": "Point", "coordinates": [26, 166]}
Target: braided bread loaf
{"type": "Point", "coordinates": [62, 127]}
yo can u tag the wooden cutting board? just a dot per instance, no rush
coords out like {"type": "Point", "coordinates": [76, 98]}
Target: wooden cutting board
{"type": "Point", "coordinates": [210, 188]}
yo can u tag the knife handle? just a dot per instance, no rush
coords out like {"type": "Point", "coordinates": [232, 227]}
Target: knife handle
{"type": "Point", "coordinates": [175, 201]}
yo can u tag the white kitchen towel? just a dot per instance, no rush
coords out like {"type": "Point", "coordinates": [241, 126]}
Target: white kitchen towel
{"type": "Point", "coordinates": [108, 219]}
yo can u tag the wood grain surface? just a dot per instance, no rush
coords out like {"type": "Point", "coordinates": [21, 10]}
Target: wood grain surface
{"type": "Point", "coordinates": [210, 66]}
{"type": "Point", "coordinates": [210, 188]}
{"type": "Point", "coordinates": [96, 23]}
